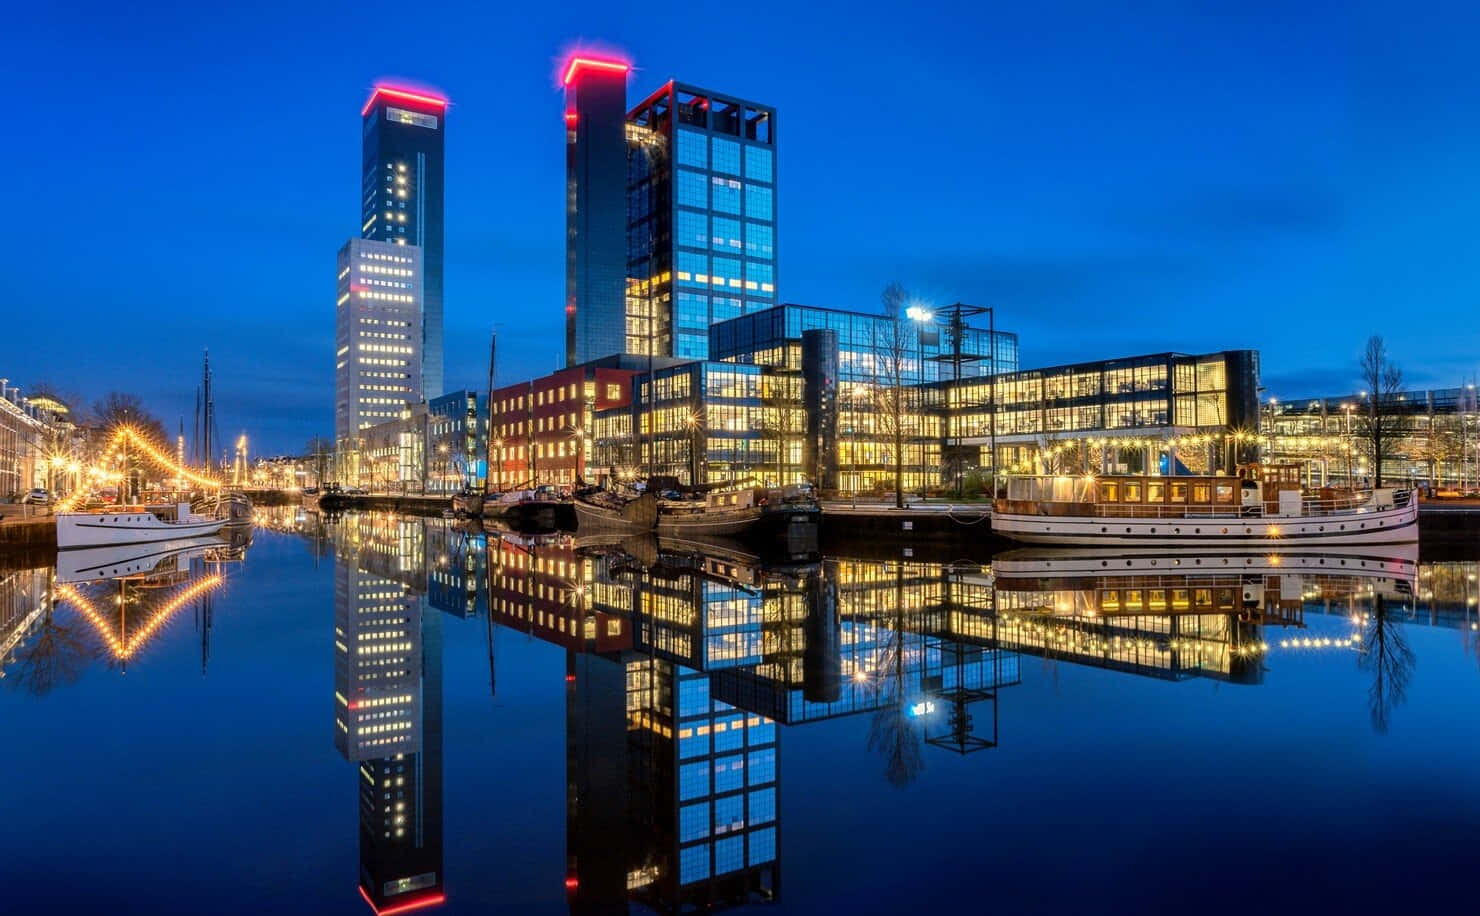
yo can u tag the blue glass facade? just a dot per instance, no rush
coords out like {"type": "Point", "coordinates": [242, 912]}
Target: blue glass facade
{"type": "Point", "coordinates": [701, 217]}
{"type": "Point", "coordinates": [773, 337]}
{"type": "Point", "coordinates": [457, 441]}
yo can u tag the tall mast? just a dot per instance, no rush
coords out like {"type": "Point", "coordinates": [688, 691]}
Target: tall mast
{"type": "Point", "coordinates": [492, 353]}
{"type": "Point", "coordinates": [210, 413]}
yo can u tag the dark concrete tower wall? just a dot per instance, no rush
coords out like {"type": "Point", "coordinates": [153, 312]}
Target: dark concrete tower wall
{"type": "Point", "coordinates": [595, 209]}
{"type": "Point", "coordinates": [403, 137]}
{"type": "Point", "coordinates": [820, 365]}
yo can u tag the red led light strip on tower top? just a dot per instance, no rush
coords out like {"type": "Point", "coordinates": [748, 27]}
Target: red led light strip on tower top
{"type": "Point", "coordinates": [615, 66]}
{"type": "Point", "coordinates": [404, 95]}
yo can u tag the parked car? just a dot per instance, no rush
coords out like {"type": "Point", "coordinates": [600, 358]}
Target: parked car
{"type": "Point", "coordinates": [37, 497]}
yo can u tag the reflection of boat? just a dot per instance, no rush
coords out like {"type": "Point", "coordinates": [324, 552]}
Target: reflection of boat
{"type": "Point", "coordinates": [1400, 560]}
{"type": "Point", "coordinates": [87, 564]}
{"type": "Point", "coordinates": [1265, 507]}
{"type": "Point", "coordinates": [1270, 587]}
{"type": "Point", "coordinates": [135, 526]}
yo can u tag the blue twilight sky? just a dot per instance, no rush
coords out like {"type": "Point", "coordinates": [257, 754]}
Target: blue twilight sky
{"type": "Point", "coordinates": [1285, 176]}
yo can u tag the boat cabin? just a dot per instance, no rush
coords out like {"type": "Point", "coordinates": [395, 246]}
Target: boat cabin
{"type": "Point", "coordinates": [1267, 490]}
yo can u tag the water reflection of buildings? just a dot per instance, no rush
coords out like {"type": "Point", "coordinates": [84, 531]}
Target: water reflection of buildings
{"type": "Point", "coordinates": [680, 664]}
{"type": "Point", "coordinates": [388, 708]}
{"type": "Point", "coordinates": [24, 606]}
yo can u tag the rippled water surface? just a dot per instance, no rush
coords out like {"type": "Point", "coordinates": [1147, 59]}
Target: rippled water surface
{"type": "Point", "coordinates": [394, 714]}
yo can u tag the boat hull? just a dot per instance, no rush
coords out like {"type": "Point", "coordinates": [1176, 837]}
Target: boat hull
{"type": "Point", "coordinates": [591, 518]}
{"type": "Point", "coordinates": [1398, 525]}
{"type": "Point", "coordinates": [92, 529]}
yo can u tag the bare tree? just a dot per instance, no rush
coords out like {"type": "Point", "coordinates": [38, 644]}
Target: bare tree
{"type": "Point", "coordinates": [779, 418]}
{"type": "Point", "coordinates": [57, 656]}
{"type": "Point", "coordinates": [1387, 655]}
{"type": "Point", "coordinates": [119, 408]}
{"type": "Point", "coordinates": [893, 732]}
{"type": "Point", "coordinates": [891, 348]}
{"type": "Point", "coordinates": [1381, 423]}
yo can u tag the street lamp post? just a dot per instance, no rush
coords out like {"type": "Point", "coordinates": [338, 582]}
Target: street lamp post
{"type": "Point", "coordinates": [921, 316]}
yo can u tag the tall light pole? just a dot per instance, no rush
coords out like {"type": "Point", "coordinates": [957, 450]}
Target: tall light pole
{"type": "Point", "coordinates": [922, 316]}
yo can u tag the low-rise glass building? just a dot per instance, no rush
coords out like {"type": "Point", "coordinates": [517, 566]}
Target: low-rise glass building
{"type": "Point", "coordinates": [1434, 438]}
{"type": "Point", "coordinates": [457, 441]}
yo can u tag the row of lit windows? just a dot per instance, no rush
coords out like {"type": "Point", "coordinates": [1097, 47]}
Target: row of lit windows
{"type": "Point", "coordinates": [380, 256]}
{"type": "Point", "coordinates": [390, 271]}
{"type": "Point", "coordinates": [382, 649]}
{"type": "Point", "coordinates": [385, 297]}
{"type": "Point", "coordinates": [381, 729]}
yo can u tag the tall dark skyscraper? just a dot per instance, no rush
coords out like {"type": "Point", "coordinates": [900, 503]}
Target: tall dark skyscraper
{"type": "Point", "coordinates": [670, 214]}
{"type": "Point", "coordinates": [595, 209]}
{"type": "Point", "coordinates": [401, 198]}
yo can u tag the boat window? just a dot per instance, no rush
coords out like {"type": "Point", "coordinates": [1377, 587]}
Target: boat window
{"type": "Point", "coordinates": [1179, 599]}
{"type": "Point", "coordinates": [1110, 600]}
{"type": "Point", "coordinates": [1179, 493]}
{"type": "Point", "coordinates": [1223, 492]}
{"type": "Point", "coordinates": [1202, 598]}
{"type": "Point", "coordinates": [1225, 599]}
{"type": "Point", "coordinates": [1110, 491]}
{"type": "Point", "coordinates": [1156, 492]}
{"type": "Point", "coordinates": [1201, 493]}
{"type": "Point", "coordinates": [1133, 599]}
{"type": "Point", "coordinates": [1156, 599]}
{"type": "Point", "coordinates": [1132, 492]}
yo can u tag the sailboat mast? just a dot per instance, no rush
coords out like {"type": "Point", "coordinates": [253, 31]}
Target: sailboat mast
{"type": "Point", "coordinates": [492, 356]}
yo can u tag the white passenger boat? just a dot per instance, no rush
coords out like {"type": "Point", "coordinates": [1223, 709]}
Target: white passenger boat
{"type": "Point", "coordinates": [1262, 507]}
{"type": "Point", "coordinates": [131, 526]}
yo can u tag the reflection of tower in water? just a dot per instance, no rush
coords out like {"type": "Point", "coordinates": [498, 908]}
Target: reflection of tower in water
{"type": "Point", "coordinates": [388, 718]}
{"type": "Point", "coordinates": [672, 796]}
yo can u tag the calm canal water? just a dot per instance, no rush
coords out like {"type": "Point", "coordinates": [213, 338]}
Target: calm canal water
{"type": "Point", "coordinates": [393, 714]}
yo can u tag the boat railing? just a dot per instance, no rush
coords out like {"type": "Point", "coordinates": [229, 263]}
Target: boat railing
{"type": "Point", "coordinates": [1080, 497]}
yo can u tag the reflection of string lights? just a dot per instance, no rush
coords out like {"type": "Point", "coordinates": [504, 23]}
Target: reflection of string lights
{"type": "Point", "coordinates": [125, 649]}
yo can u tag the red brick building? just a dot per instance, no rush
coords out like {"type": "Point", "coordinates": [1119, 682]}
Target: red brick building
{"type": "Point", "coordinates": [540, 430]}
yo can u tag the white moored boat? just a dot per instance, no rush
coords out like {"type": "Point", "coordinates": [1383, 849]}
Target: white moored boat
{"type": "Point", "coordinates": [1263, 507]}
{"type": "Point", "coordinates": [130, 526]}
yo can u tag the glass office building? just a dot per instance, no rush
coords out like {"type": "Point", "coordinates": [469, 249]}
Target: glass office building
{"type": "Point", "coordinates": [1434, 438]}
{"type": "Point", "coordinates": [702, 217]}
{"type": "Point", "coordinates": [403, 134]}
{"type": "Point", "coordinates": [670, 214]}
{"type": "Point", "coordinates": [773, 337]}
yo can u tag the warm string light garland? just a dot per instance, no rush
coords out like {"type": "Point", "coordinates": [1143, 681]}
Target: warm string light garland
{"type": "Point", "coordinates": [126, 435]}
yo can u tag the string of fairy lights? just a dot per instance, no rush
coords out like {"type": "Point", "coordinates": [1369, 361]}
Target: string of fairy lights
{"type": "Point", "coordinates": [124, 438]}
